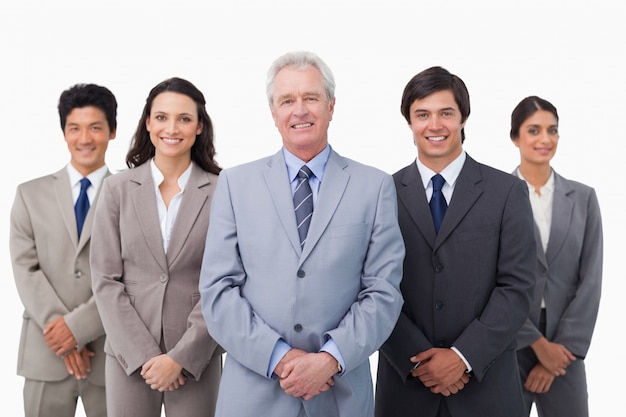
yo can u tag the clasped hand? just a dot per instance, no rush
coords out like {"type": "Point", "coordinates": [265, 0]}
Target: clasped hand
{"type": "Point", "coordinates": [163, 373]}
{"type": "Point", "coordinates": [305, 375]}
{"type": "Point", "coordinates": [441, 370]}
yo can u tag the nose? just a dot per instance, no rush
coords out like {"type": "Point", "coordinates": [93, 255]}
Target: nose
{"type": "Point", "coordinates": [172, 125]}
{"type": "Point", "coordinates": [545, 137]}
{"type": "Point", "coordinates": [300, 108]}
{"type": "Point", "coordinates": [434, 122]}
{"type": "Point", "coordinates": [84, 136]}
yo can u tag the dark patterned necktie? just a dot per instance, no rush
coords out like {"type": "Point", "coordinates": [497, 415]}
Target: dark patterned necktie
{"type": "Point", "coordinates": [82, 204]}
{"type": "Point", "coordinates": [438, 203]}
{"type": "Point", "coordinates": [303, 203]}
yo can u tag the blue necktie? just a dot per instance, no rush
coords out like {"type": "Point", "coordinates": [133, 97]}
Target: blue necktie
{"type": "Point", "coordinates": [82, 204]}
{"type": "Point", "coordinates": [303, 203]}
{"type": "Point", "coordinates": [438, 203]}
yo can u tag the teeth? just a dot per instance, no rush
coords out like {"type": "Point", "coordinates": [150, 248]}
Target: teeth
{"type": "Point", "coordinates": [436, 138]}
{"type": "Point", "coordinates": [170, 140]}
{"type": "Point", "coordinates": [301, 125]}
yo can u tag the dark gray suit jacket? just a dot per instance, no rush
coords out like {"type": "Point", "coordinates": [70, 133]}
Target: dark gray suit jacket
{"type": "Point", "coordinates": [570, 271]}
{"type": "Point", "coordinates": [470, 286]}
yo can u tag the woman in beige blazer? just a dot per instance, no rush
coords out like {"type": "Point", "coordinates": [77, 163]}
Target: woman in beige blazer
{"type": "Point", "coordinates": [147, 246]}
{"type": "Point", "coordinates": [555, 339]}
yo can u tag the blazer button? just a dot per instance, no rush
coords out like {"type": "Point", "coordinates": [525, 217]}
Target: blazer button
{"type": "Point", "coordinates": [441, 343]}
{"type": "Point", "coordinates": [163, 278]}
{"type": "Point", "coordinates": [298, 328]}
{"type": "Point", "coordinates": [301, 273]}
{"type": "Point", "coordinates": [439, 305]}
{"type": "Point", "coordinates": [78, 274]}
{"type": "Point", "coordinates": [438, 268]}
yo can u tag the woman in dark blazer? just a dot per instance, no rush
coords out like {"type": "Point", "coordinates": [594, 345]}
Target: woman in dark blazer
{"type": "Point", "coordinates": [555, 339]}
{"type": "Point", "coordinates": [147, 246]}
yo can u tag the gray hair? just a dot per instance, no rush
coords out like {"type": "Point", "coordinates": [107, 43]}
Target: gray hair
{"type": "Point", "coordinates": [300, 60]}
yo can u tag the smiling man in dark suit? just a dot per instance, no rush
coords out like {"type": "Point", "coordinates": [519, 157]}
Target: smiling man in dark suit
{"type": "Point", "coordinates": [468, 274]}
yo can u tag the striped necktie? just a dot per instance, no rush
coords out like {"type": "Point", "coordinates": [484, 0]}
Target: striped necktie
{"type": "Point", "coordinates": [303, 203]}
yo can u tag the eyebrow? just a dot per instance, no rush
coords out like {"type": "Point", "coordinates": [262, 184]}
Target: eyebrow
{"type": "Point", "coordinates": [428, 111]}
{"type": "Point", "coordinates": [179, 114]}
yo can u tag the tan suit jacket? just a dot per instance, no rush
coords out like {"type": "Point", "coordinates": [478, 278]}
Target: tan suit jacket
{"type": "Point", "coordinates": [149, 299]}
{"type": "Point", "coordinates": [51, 270]}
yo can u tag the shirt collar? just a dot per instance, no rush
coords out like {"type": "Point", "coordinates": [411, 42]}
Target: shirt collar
{"type": "Point", "coordinates": [548, 186]}
{"type": "Point", "coordinates": [157, 176]}
{"type": "Point", "coordinates": [95, 177]}
{"type": "Point", "coordinates": [450, 173]}
{"type": "Point", "coordinates": [317, 165]}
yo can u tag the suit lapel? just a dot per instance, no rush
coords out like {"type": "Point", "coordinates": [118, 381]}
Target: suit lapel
{"type": "Point", "coordinates": [330, 193]}
{"type": "Point", "coordinates": [541, 255]}
{"type": "Point", "coordinates": [277, 181]}
{"type": "Point", "coordinates": [466, 191]}
{"type": "Point", "coordinates": [562, 208]}
{"type": "Point", "coordinates": [143, 198]}
{"type": "Point", "coordinates": [194, 198]}
{"type": "Point", "coordinates": [63, 192]}
{"type": "Point", "coordinates": [413, 197]}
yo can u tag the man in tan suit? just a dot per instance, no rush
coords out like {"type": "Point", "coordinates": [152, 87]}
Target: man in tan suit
{"type": "Point", "coordinates": [61, 352]}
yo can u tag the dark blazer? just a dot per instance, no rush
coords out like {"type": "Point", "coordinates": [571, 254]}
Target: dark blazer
{"type": "Point", "coordinates": [570, 271]}
{"type": "Point", "coordinates": [470, 286]}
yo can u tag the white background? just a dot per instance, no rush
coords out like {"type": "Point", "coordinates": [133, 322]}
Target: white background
{"type": "Point", "coordinates": [569, 52]}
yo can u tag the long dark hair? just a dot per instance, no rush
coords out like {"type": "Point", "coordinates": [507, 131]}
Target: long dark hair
{"type": "Point", "coordinates": [203, 150]}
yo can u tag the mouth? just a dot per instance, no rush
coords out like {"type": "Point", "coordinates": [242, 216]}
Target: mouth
{"type": "Point", "coordinates": [86, 150]}
{"type": "Point", "coordinates": [544, 151]}
{"type": "Point", "coordinates": [435, 138]}
{"type": "Point", "coordinates": [171, 141]}
{"type": "Point", "coordinates": [301, 125]}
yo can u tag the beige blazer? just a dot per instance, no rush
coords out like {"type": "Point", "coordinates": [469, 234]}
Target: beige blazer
{"type": "Point", "coordinates": [148, 299]}
{"type": "Point", "coordinates": [51, 271]}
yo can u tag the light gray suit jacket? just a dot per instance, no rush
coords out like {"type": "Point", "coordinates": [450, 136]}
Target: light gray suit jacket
{"type": "Point", "coordinates": [258, 287]}
{"type": "Point", "coordinates": [52, 274]}
{"type": "Point", "coordinates": [149, 299]}
{"type": "Point", "coordinates": [570, 271]}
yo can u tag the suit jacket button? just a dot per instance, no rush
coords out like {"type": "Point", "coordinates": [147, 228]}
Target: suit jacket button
{"type": "Point", "coordinates": [163, 278]}
{"type": "Point", "coordinates": [297, 327]}
{"type": "Point", "coordinates": [301, 273]}
{"type": "Point", "coordinates": [78, 274]}
{"type": "Point", "coordinates": [439, 305]}
{"type": "Point", "coordinates": [438, 268]}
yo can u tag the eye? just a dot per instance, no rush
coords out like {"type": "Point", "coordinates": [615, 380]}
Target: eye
{"type": "Point", "coordinates": [553, 131]}
{"type": "Point", "coordinates": [185, 119]}
{"type": "Point", "coordinates": [533, 131]}
{"type": "Point", "coordinates": [159, 117]}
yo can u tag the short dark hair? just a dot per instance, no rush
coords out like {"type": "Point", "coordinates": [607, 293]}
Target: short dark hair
{"type": "Point", "coordinates": [84, 95]}
{"type": "Point", "coordinates": [526, 108]}
{"type": "Point", "coordinates": [202, 151]}
{"type": "Point", "coordinates": [430, 81]}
